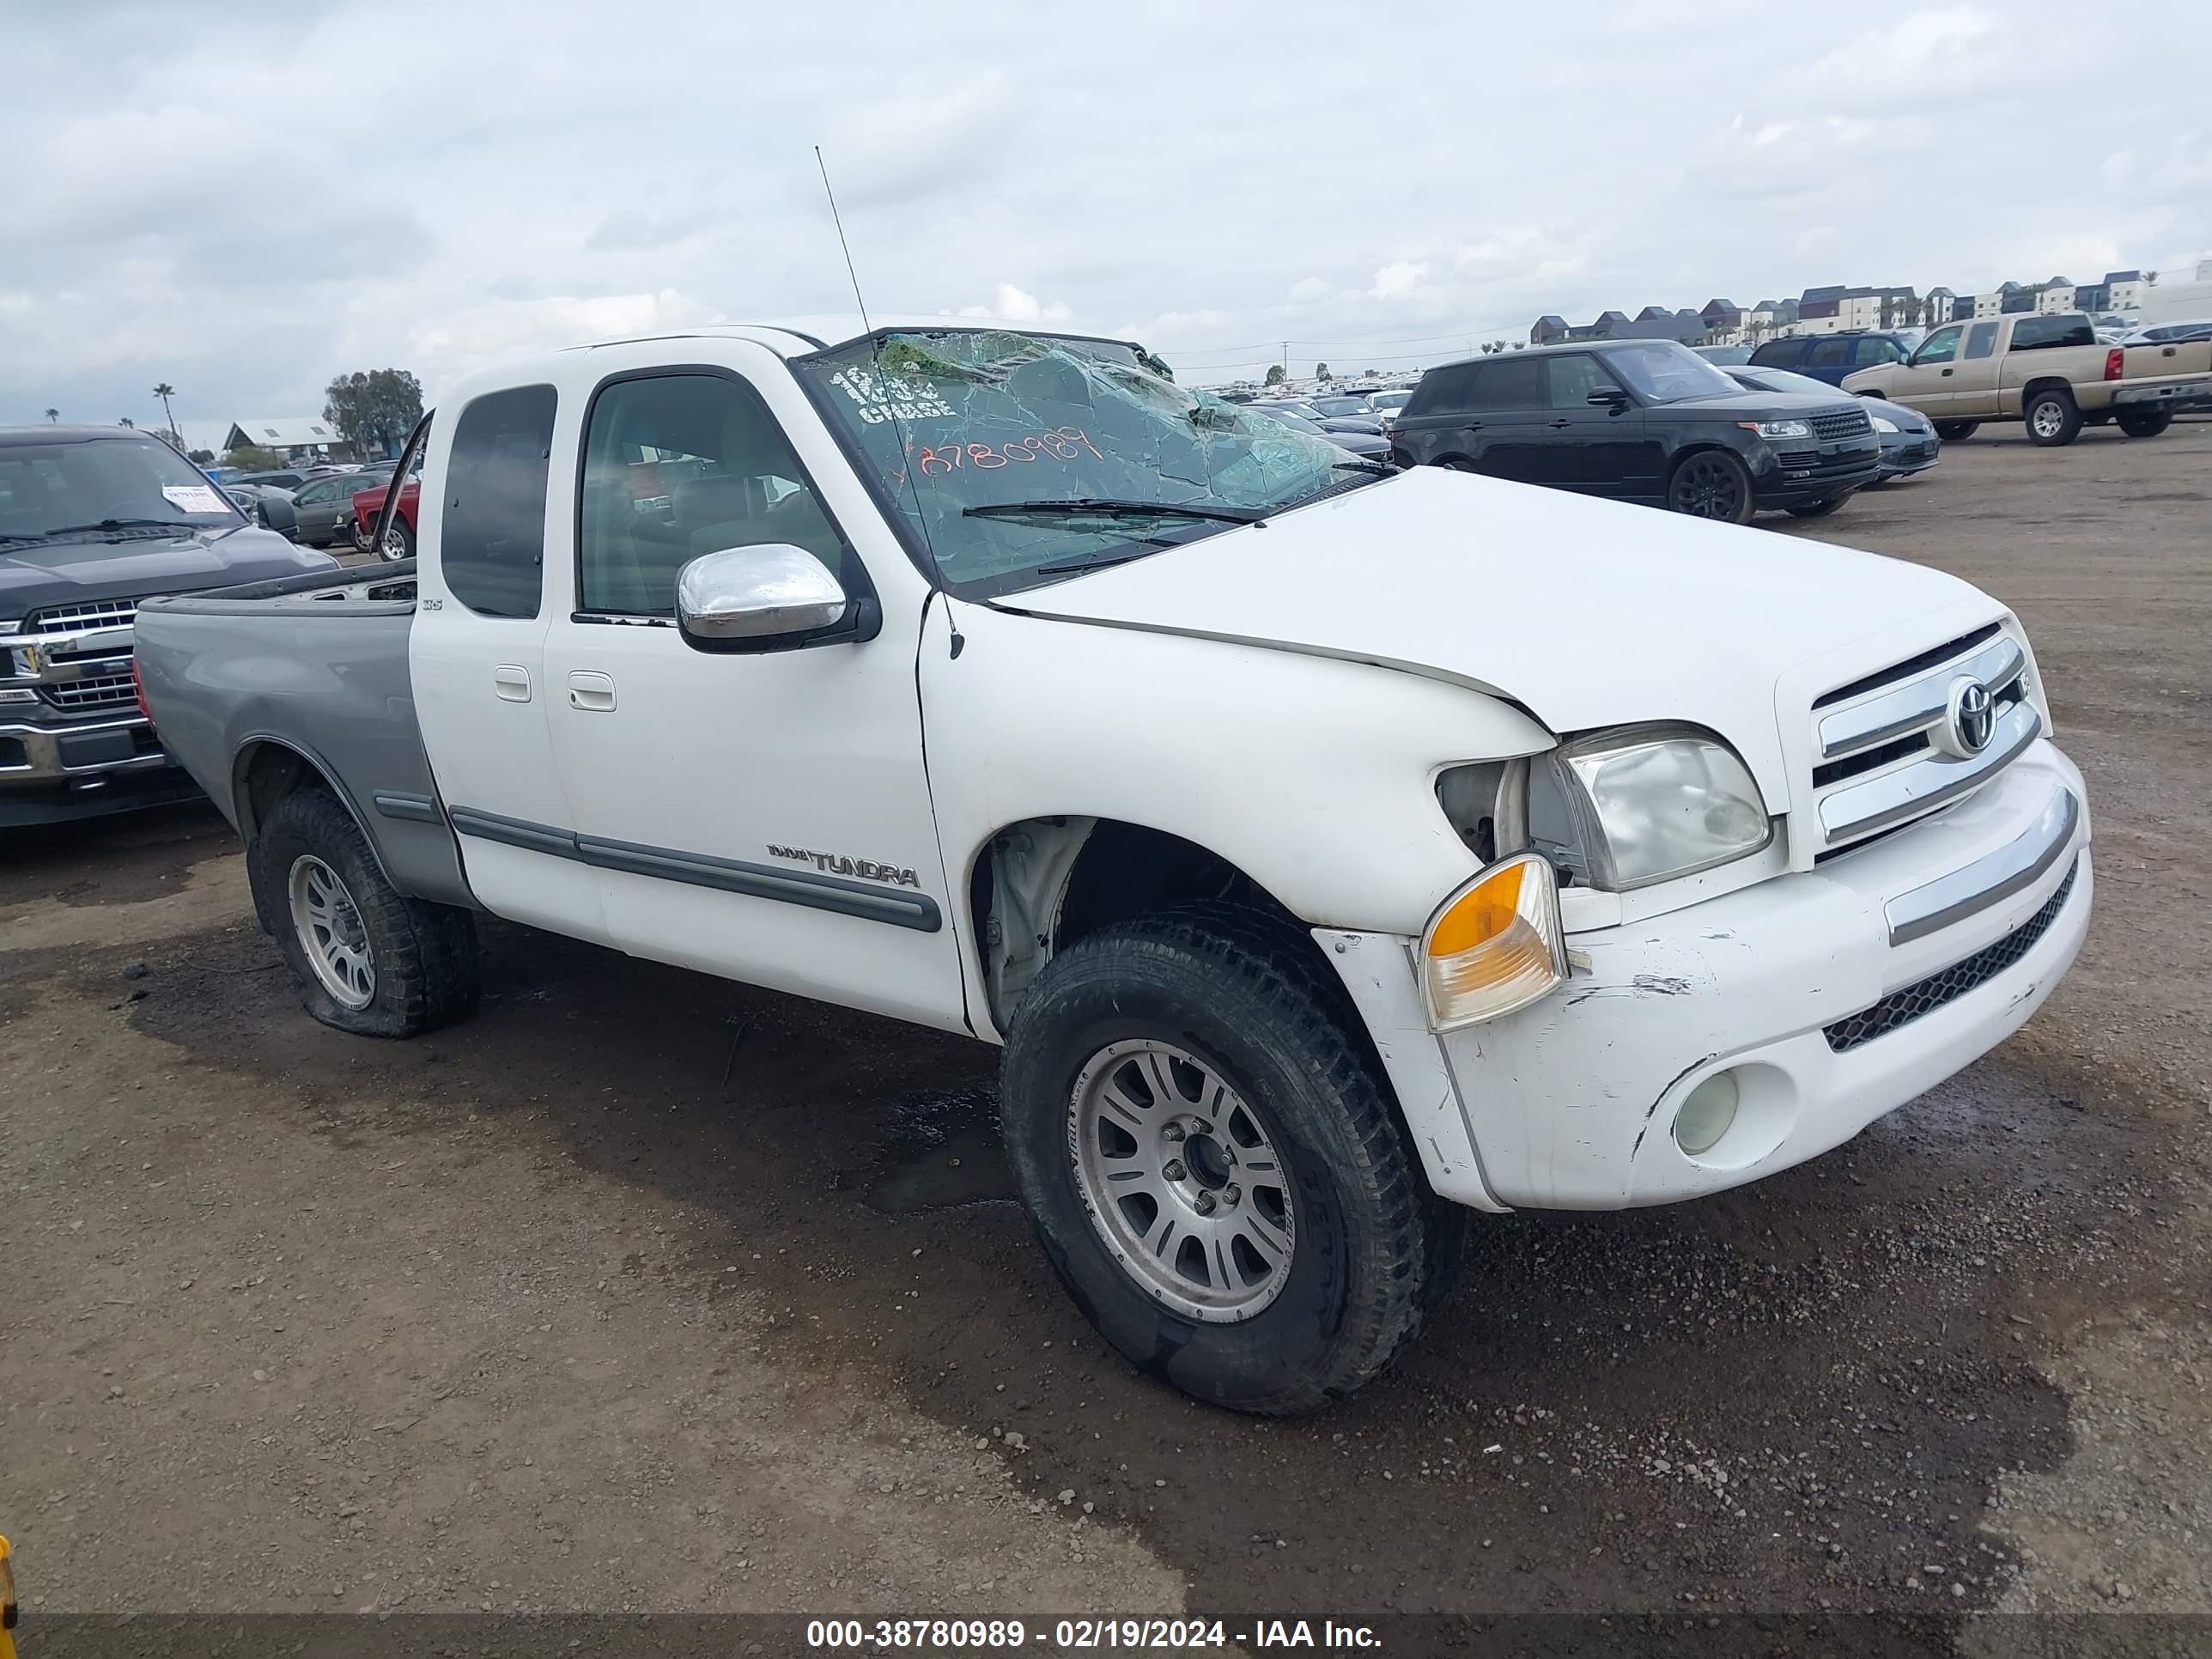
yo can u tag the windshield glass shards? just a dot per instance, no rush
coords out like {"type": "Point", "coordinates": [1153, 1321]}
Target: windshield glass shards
{"type": "Point", "coordinates": [964, 427]}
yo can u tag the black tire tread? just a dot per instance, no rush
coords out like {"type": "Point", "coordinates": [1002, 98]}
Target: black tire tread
{"type": "Point", "coordinates": [2067, 432]}
{"type": "Point", "coordinates": [1409, 1262]}
{"type": "Point", "coordinates": [425, 953]}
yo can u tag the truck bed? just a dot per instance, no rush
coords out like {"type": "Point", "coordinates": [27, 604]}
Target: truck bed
{"type": "Point", "coordinates": [309, 670]}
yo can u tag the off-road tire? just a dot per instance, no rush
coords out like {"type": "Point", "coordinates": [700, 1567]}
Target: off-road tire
{"type": "Point", "coordinates": [2147, 424]}
{"type": "Point", "coordinates": [424, 954]}
{"type": "Point", "coordinates": [2052, 419]}
{"type": "Point", "coordinates": [1956, 432]}
{"type": "Point", "coordinates": [1374, 1250]}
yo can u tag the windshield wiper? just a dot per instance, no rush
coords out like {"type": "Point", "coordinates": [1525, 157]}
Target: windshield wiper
{"type": "Point", "coordinates": [1378, 469]}
{"type": "Point", "coordinates": [120, 524]}
{"type": "Point", "coordinates": [1114, 509]}
{"type": "Point", "coordinates": [1098, 561]}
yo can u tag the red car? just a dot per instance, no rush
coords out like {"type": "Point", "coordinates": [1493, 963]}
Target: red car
{"type": "Point", "coordinates": [399, 535]}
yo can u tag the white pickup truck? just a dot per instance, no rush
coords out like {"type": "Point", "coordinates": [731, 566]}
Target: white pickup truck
{"type": "Point", "coordinates": [1337, 853]}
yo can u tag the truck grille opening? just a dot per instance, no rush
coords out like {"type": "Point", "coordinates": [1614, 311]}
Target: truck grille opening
{"type": "Point", "coordinates": [69, 618]}
{"type": "Point", "coordinates": [1844, 424]}
{"type": "Point", "coordinates": [1901, 1008]}
{"type": "Point", "coordinates": [1909, 667]}
{"type": "Point", "coordinates": [110, 692]}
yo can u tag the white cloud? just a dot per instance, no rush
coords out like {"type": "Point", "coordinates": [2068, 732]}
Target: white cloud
{"type": "Point", "coordinates": [1399, 278]}
{"type": "Point", "coordinates": [1013, 304]}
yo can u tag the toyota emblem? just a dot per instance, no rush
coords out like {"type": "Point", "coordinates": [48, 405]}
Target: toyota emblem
{"type": "Point", "coordinates": [1970, 719]}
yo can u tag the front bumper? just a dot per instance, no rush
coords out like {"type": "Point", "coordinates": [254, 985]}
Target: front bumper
{"type": "Point", "coordinates": [50, 774]}
{"type": "Point", "coordinates": [1797, 474]}
{"type": "Point", "coordinates": [1836, 995]}
{"type": "Point", "coordinates": [1905, 453]}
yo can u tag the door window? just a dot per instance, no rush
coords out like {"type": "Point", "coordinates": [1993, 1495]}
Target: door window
{"type": "Point", "coordinates": [1443, 391]}
{"type": "Point", "coordinates": [2040, 333]}
{"type": "Point", "coordinates": [676, 465]}
{"type": "Point", "coordinates": [492, 549]}
{"type": "Point", "coordinates": [1775, 354]}
{"type": "Point", "coordinates": [308, 495]}
{"type": "Point", "coordinates": [1981, 339]}
{"type": "Point", "coordinates": [1872, 350]}
{"type": "Point", "coordinates": [1573, 379]}
{"type": "Point", "coordinates": [1829, 354]}
{"type": "Point", "coordinates": [1518, 384]}
{"type": "Point", "coordinates": [1941, 347]}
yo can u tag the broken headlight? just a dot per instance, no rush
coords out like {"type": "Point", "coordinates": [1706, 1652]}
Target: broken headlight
{"type": "Point", "coordinates": [1643, 804]}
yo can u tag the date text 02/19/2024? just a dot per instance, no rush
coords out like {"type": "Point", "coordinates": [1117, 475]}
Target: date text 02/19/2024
{"type": "Point", "coordinates": [891, 1634]}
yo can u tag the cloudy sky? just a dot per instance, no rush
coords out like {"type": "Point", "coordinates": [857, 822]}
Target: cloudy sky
{"type": "Point", "coordinates": [246, 199]}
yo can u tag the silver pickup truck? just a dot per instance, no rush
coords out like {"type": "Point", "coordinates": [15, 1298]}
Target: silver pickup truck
{"type": "Point", "coordinates": [1326, 876]}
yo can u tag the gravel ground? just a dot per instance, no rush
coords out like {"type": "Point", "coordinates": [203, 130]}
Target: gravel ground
{"type": "Point", "coordinates": [644, 1291]}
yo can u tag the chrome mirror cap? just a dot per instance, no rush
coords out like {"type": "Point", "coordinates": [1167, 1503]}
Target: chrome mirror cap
{"type": "Point", "coordinates": [768, 591]}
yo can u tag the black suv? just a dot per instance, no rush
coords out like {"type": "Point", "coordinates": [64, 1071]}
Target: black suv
{"type": "Point", "coordinates": [1831, 356]}
{"type": "Point", "coordinates": [1640, 421]}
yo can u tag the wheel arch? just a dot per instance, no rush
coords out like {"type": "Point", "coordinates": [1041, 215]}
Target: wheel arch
{"type": "Point", "coordinates": [265, 770]}
{"type": "Point", "coordinates": [1038, 884]}
{"type": "Point", "coordinates": [2030, 389]}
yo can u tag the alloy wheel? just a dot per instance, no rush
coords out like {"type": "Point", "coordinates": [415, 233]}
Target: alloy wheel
{"type": "Point", "coordinates": [330, 933]}
{"type": "Point", "coordinates": [1707, 489]}
{"type": "Point", "coordinates": [1182, 1181]}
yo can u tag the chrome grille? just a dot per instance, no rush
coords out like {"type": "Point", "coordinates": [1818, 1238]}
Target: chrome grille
{"type": "Point", "coordinates": [1877, 754]}
{"type": "Point", "coordinates": [1843, 423]}
{"type": "Point", "coordinates": [69, 618]}
{"type": "Point", "coordinates": [93, 696]}
{"type": "Point", "coordinates": [1902, 1007]}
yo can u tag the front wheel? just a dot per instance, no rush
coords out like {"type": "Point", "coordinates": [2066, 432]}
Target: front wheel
{"type": "Point", "coordinates": [398, 540]}
{"type": "Point", "coordinates": [2053, 420]}
{"type": "Point", "coordinates": [1711, 484]}
{"type": "Point", "coordinates": [1952, 432]}
{"type": "Point", "coordinates": [2146, 424]}
{"type": "Point", "coordinates": [367, 958]}
{"type": "Point", "coordinates": [1819, 509]}
{"type": "Point", "coordinates": [1214, 1165]}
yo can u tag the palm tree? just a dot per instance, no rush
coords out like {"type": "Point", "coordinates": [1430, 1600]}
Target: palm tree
{"type": "Point", "coordinates": [127, 421]}
{"type": "Point", "coordinates": [165, 392]}
{"type": "Point", "coordinates": [53, 415]}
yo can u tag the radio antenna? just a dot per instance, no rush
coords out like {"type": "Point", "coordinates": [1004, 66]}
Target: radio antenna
{"type": "Point", "coordinates": [876, 350]}
{"type": "Point", "coordinates": [837, 220]}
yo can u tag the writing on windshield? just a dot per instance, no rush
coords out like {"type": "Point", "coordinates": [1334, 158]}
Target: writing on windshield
{"type": "Point", "coordinates": [963, 418]}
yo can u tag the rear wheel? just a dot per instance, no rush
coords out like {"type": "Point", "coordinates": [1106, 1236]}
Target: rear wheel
{"type": "Point", "coordinates": [1711, 484]}
{"type": "Point", "coordinates": [2052, 419]}
{"type": "Point", "coordinates": [1214, 1165]}
{"type": "Point", "coordinates": [367, 958]}
{"type": "Point", "coordinates": [1952, 432]}
{"type": "Point", "coordinates": [2147, 423]}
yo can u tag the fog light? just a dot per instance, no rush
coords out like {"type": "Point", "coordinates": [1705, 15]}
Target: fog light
{"type": "Point", "coordinates": [1707, 1115]}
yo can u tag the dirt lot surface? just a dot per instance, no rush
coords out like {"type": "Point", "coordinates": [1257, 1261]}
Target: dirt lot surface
{"type": "Point", "coordinates": [644, 1291]}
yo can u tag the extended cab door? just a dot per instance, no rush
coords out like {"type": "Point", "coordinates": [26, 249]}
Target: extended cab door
{"type": "Point", "coordinates": [765, 815]}
{"type": "Point", "coordinates": [1974, 377]}
{"type": "Point", "coordinates": [476, 657]}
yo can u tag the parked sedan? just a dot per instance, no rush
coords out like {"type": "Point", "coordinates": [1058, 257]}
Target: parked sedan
{"type": "Point", "coordinates": [1367, 446]}
{"type": "Point", "coordinates": [268, 505]}
{"type": "Point", "coordinates": [1909, 443]}
{"type": "Point", "coordinates": [1310, 409]}
{"type": "Point", "coordinates": [325, 505]}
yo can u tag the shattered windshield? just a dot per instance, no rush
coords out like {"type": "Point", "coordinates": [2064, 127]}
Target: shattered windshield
{"type": "Point", "coordinates": [1024, 458]}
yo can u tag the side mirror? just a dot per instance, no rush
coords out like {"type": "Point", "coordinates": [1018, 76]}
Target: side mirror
{"type": "Point", "coordinates": [1612, 397]}
{"type": "Point", "coordinates": [277, 514]}
{"type": "Point", "coordinates": [765, 598]}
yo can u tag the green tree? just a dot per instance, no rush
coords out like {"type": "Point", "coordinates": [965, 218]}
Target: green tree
{"type": "Point", "coordinates": [127, 421]}
{"type": "Point", "coordinates": [53, 415]}
{"type": "Point", "coordinates": [374, 410]}
{"type": "Point", "coordinates": [202, 457]}
{"type": "Point", "coordinates": [251, 457]}
{"type": "Point", "coordinates": [1320, 371]}
{"type": "Point", "coordinates": [1275, 375]}
{"type": "Point", "coordinates": [164, 391]}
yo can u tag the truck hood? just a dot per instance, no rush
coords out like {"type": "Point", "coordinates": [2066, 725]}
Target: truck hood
{"type": "Point", "coordinates": [83, 572]}
{"type": "Point", "coordinates": [1586, 613]}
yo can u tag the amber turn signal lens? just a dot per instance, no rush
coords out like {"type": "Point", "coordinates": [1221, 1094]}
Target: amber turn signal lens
{"type": "Point", "coordinates": [1496, 945]}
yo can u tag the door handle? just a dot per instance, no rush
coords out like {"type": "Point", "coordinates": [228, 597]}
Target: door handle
{"type": "Point", "coordinates": [591, 692]}
{"type": "Point", "coordinates": [512, 682]}
{"type": "Point", "coordinates": [1947, 373]}
{"type": "Point", "coordinates": [1558, 426]}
